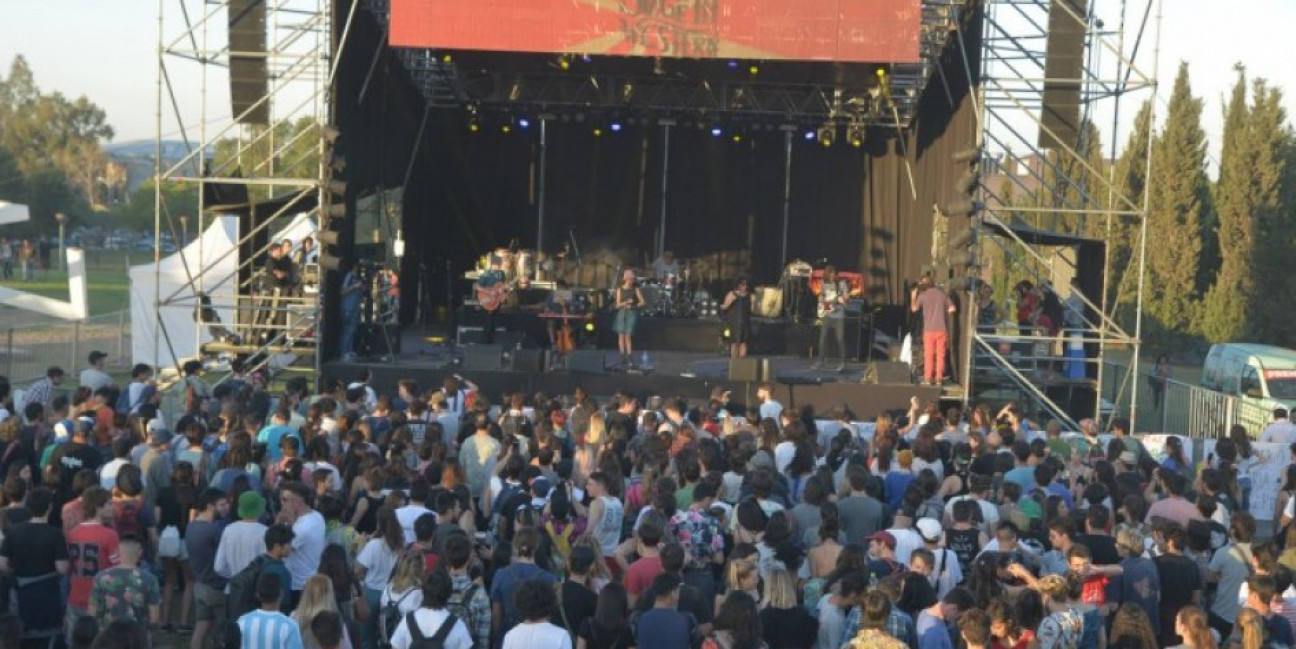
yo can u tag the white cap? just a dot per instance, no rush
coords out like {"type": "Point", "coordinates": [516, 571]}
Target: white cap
{"type": "Point", "coordinates": [929, 528]}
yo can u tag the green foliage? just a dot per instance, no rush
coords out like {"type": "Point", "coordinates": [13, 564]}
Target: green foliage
{"type": "Point", "coordinates": [1179, 221]}
{"type": "Point", "coordinates": [1227, 308]}
{"type": "Point", "coordinates": [137, 213]}
{"type": "Point", "coordinates": [1130, 183]}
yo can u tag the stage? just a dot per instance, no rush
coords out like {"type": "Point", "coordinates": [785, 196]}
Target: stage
{"type": "Point", "coordinates": [429, 356]}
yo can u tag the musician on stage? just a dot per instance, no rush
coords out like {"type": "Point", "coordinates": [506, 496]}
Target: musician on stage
{"type": "Point", "coordinates": [832, 316]}
{"type": "Point", "coordinates": [491, 281]}
{"type": "Point", "coordinates": [737, 307]}
{"type": "Point", "coordinates": [665, 265]}
{"type": "Point", "coordinates": [626, 300]}
{"type": "Point", "coordinates": [351, 298]}
{"type": "Point", "coordinates": [934, 305]}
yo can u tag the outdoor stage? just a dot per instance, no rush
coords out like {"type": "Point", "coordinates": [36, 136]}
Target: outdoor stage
{"type": "Point", "coordinates": [428, 358]}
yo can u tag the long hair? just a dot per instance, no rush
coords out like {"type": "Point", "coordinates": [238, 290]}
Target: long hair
{"type": "Point", "coordinates": [333, 564]}
{"type": "Point", "coordinates": [739, 617]}
{"type": "Point", "coordinates": [1131, 629]}
{"type": "Point", "coordinates": [408, 573]}
{"type": "Point", "coordinates": [1252, 626]}
{"type": "Point", "coordinates": [1175, 451]}
{"type": "Point", "coordinates": [316, 597]}
{"type": "Point", "coordinates": [389, 529]}
{"type": "Point", "coordinates": [737, 571]}
{"type": "Point", "coordinates": [613, 608]}
{"type": "Point", "coordinates": [780, 591]}
{"type": "Point", "coordinates": [1001, 613]}
{"type": "Point", "coordinates": [1196, 631]}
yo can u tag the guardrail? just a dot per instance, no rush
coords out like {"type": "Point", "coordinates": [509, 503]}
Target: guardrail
{"type": "Point", "coordinates": [1179, 408]}
{"type": "Point", "coordinates": [29, 350]}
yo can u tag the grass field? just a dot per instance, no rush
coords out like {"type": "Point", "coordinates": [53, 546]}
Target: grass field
{"type": "Point", "coordinates": [108, 284]}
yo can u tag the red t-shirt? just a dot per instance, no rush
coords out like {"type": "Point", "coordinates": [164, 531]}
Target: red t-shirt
{"type": "Point", "coordinates": [1095, 591]}
{"type": "Point", "coordinates": [640, 574]}
{"type": "Point", "coordinates": [92, 548]}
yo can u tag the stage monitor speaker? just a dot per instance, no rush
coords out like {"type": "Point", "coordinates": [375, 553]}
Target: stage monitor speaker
{"type": "Point", "coordinates": [482, 357]}
{"type": "Point", "coordinates": [249, 83]}
{"type": "Point", "coordinates": [749, 370]}
{"type": "Point", "coordinates": [587, 361]}
{"type": "Point", "coordinates": [531, 361]}
{"type": "Point", "coordinates": [469, 335]}
{"type": "Point", "coordinates": [1063, 69]}
{"type": "Point", "coordinates": [887, 373]}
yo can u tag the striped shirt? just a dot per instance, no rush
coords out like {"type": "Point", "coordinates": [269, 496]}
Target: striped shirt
{"type": "Point", "coordinates": [269, 630]}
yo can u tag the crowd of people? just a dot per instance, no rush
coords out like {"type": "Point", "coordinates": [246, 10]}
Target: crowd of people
{"type": "Point", "coordinates": [442, 516]}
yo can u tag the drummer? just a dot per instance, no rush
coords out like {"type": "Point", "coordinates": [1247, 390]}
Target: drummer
{"type": "Point", "coordinates": [665, 266]}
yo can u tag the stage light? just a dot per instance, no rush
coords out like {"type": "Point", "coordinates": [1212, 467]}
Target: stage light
{"type": "Point", "coordinates": [598, 132]}
{"type": "Point", "coordinates": [855, 135]}
{"type": "Point", "coordinates": [754, 70]}
{"type": "Point", "coordinates": [447, 59]}
{"type": "Point", "coordinates": [727, 333]}
{"type": "Point", "coordinates": [809, 135]}
{"type": "Point", "coordinates": [737, 137]}
{"type": "Point", "coordinates": [587, 58]}
{"type": "Point", "coordinates": [564, 62]}
{"type": "Point", "coordinates": [733, 65]}
{"type": "Point", "coordinates": [827, 134]}
{"type": "Point", "coordinates": [615, 126]}
{"type": "Point", "coordinates": [716, 131]}
{"type": "Point", "coordinates": [506, 129]}
{"type": "Point", "coordinates": [589, 326]}
{"type": "Point", "coordinates": [474, 125]}
{"type": "Point", "coordinates": [524, 122]}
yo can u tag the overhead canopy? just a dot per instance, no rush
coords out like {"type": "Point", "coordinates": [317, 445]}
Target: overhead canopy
{"type": "Point", "coordinates": [13, 213]}
{"type": "Point", "coordinates": [1038, 237]}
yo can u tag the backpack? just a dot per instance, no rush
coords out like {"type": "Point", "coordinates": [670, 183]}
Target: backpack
{"type": "Point", "coordinates": [460, 601]}
{"type": "Point", "coordinates": [437, 641]}
{"type": "Point", "coordinates": [389, 617]}
{"type": "Point", "coordinates": [126, 517]}
{"type": "Point", "coordinates": [124, 404]}
{"type": "Point", "coordinates": [242, 589]}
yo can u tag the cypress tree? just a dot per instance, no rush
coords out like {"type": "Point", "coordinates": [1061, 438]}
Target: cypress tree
{"type": "Point", "coordinates": [1227, 309]}
{"type": "Point", "coordinates": [1129, 183]}
{"type": "Point", "coordinates": [1271, 186]}
{"type": "Point", "coordinates": [1180, 237]}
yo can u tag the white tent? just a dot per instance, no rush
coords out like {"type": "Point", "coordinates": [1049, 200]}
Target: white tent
{"type": "Point", "coordinates": [13, 213]}
{"type": "Point", "coordinates": [181, 334]}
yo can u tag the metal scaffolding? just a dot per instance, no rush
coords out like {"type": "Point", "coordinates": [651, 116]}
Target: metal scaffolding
{"type": "Point", "coordinates": [271, 148]}
{"type": "Point", "coordinates": [1067, 189]}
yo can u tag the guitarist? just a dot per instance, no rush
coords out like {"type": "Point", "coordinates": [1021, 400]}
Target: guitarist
{"type": "Point", "coordinates": [626, 300]}
{"type": "Point", "coordinates": [832, 316]}
{"type": "Point", "coordinates": [490, 283]}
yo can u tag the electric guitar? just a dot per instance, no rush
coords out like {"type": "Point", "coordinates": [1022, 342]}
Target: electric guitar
{"type": "Point", "coordinates": [489, 298]}
{"type": "Point", "coordinates": [828, 304]}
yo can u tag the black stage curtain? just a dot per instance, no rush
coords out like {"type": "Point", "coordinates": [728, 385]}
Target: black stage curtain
{"type": "Point", "coordinates": [472, 191]}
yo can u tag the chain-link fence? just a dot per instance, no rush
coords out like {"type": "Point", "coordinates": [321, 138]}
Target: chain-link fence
{"type": "Point", "coordinates": [1180, 408]}
{"type": "Point", "coordinates": [27, 351]}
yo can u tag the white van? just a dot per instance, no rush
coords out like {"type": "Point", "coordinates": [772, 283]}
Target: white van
{"type": "Point", "coordinates": [1263, 377]}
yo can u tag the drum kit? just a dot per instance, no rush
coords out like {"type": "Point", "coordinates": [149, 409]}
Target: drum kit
{"type": "Point", "coordinates": [519, 266]}
{"type": "Point", "coordinates": [675, 295]}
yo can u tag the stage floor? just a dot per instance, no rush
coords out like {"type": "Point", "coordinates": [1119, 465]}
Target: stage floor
{"type": "Point", "coordinates": [428, 357]}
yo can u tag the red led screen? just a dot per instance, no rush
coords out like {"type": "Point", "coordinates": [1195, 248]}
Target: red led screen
{"type": "Point", "coordinates": [870, 31]}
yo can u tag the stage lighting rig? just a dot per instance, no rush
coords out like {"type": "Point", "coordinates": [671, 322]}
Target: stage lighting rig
{"type": "Point", "coordinates": [855, 135]}
{"type": "Point", "coordinates": [827, 134]}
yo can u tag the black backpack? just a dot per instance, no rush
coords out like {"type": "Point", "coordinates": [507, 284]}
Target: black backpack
{"type": "Point", "coordinates": [242, 589]}
{"type": "Point", "coordinates": [437, 641]}
{"type": "Point", "coordinates": [389, 618]}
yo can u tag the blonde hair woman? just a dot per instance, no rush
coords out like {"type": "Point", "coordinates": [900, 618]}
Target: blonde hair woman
{"type": "Point", "coordinates": [1064, 625]}
{"type": "Point", "coordinates": [1250, 627]}
{"type": "Point", "coordinates": [406, 589]}
{"type": "Point", "coordinates": [1191, 625]}
{"type": "Point", "coordinates": [740, 575]}
{"type": "Point", "coordinates": [783, 622]}
{"type": "Point", "coordinates": [587, 451]}
{"type": "Point", "coordinates": [317, 597]}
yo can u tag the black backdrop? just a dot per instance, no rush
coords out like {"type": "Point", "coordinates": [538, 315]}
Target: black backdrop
{"type": "Point", "coordinates": [469, 192]}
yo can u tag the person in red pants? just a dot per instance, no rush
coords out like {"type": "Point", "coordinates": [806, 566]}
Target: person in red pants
{"type": "Point", "coordinates": [934, 304]}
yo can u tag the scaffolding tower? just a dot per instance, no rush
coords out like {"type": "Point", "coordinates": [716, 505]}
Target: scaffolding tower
{"type": "Point", "coordinates": [1057, 184]}
{"type": "Point", "coordinates": [260, 157]}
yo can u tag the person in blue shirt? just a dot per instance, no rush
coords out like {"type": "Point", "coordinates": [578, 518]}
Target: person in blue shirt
{"type": "Point", "coordinates": [663, 626]}
{"type": "Point", "coordinates": [933, 632]}
{"type": "Point", "coordinates": [272, 436]}
{"type": "Point", "coordinates": [267, 627]}
{"type": "Point", "coordinates": [351, 294]}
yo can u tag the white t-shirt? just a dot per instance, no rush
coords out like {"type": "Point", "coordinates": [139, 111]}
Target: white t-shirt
{"type": "Point", "coordinates": [240, 543]}
{"type": "Point", "coordinates": [783, 454]}
{"type": "Point", "coordinates": [407, 602]}
{"type": "Point", "coordinates": [407, 515]}
{"type": "Point", "coordinates": [307, 546]}
{"type": "Point", "coordinates": [378, 560]}
{"type": "Point", "coordinates": [429, 622]}
{"type": "Point", "coordinates": [108, 472]}
{"type": "Point", "coordinates": [771, 410]}
{"type": "Point", "coordinates": [534, 636]}
{"type": "Point", "coordinates": [945, 576]}
{"type": "Point", "coordinates": [335, 480]}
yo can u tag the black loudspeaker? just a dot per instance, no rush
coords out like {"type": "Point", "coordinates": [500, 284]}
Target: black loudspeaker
{"type": "Point", "coordinates": [1063, 65]}
{"type": "Point", "coordinates": [531, 361]}
{"type": "Point", "coordinates": [249, 83]}
{"type": "Point", "coordinates": [748, 370]}
{"type": "Point", "coordinates": [482, 357]}
{"type": "Point", "coordinates": [378, 340]}
{"type": "Point", "coordinates": [887, 373]}
{"type": "Point", "coordinates": [587, 361]}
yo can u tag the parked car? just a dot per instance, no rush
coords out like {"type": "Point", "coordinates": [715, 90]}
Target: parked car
{"type": "Point", "coordinates": [1262, 377]}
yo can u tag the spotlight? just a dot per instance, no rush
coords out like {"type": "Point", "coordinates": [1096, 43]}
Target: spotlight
{"type": "Point", "coordinates": [737, 137]}
{"type": "Point", "coordinates": [855, 135]}
{"type": "Point", "coordinates": [615, 126]}
{"type": "Point", "coordinates": [447, 59]}
{"type": "Point", "coordinates": [506, 129]}
{"type": "Point", "coordinates": [587, 58]}
{"type": "Point", "coordinates": [524, 122]}
{"type": "Point", "coordinates": [809, 135]}
{"type": "Point", "coordinates": [754, 69]}
{"type": "Point", "coordinates": [589, 326]}
{"type": "Point", "coordinates": [474, 124]}
{"type": "Point", "coordinates": [716, 131]}
{"type": "Point", "coordinates": [564, 62]}
{"type": "Point", "coordinates": [733, 65]}
{"type": "Point", "coordinates": [827, 134]}
{"type": "Point", "coordinates": [598, 132]}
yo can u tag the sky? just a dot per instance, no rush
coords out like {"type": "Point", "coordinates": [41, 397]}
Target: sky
{"type": "Point", "coordinates": [106, 50]}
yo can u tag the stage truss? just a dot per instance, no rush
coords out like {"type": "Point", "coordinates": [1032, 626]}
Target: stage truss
{"type": "Point", "coordinates": [1085, 199]}
{"type": "Point", "coordinates": [231, 156]}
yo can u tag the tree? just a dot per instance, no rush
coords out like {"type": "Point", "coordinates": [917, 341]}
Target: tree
{"type": "Point", "coordinates": [1227, 308]}
{"type": "Point", "coordinates": [1179, 218]}
{"type": "Point", "coordinates": [1129, 180]}
{"type": "Point", "coordinates": [1272, 199]}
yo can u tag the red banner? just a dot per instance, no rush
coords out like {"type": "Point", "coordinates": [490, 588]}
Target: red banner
{"type": "Point", "coordinates": [866, 31]}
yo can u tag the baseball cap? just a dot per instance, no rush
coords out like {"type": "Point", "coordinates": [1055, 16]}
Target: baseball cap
{"type": "Point", "coordinates": [251, 505]}
{"type": "Point", "coordinates": [929, 528]}
{"type": "Point", "coordinates": [96, 356]}
{"type": "Point", "coordinates": [885, 538]}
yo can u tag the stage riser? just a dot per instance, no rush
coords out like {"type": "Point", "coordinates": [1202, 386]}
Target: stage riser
{"type": "Point", "coordinates": [864, 400]}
